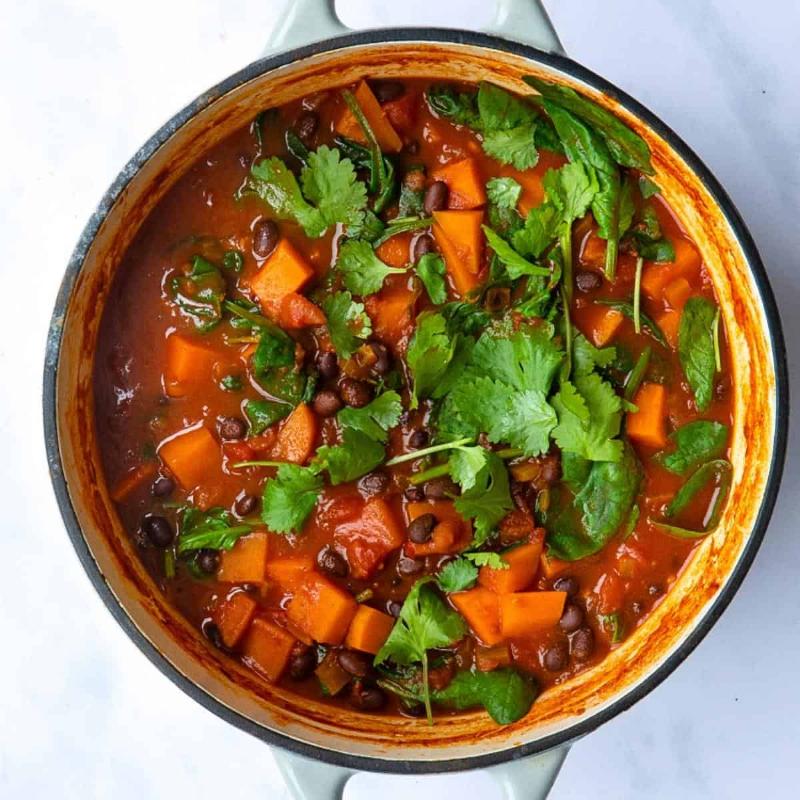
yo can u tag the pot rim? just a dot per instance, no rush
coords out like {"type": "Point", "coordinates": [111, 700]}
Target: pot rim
{"type": "Point", "coordinates": [390, 36]}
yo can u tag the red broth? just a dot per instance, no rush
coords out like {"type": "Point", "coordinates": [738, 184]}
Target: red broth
{"type": "Point", "coordinates": [231, 595]}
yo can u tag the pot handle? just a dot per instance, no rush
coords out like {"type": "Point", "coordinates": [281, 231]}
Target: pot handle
{"type": "Point", "coordinates": [521, 779]}
{"type": "Point", "coordinates": [309, 21]}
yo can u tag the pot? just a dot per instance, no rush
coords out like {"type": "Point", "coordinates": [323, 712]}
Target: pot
{"type": "Point", "coordinates": [320, 747]}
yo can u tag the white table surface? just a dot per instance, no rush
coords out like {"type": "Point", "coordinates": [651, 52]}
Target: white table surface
{"type": "Point", "coordinates": [83, 84]}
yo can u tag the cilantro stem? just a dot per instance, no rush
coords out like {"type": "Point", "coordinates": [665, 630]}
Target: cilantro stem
{"type": "Point", "coordinates": [427, 451]}
{"type": "Point", "coordinates": [566, 369]}
{"type": "Point", "coordinates": [402, 225]}
{"type": "Point", "coordinates": [377, 173]}
{"type": "Point", "coordinates": [637, 296]}
{"type": "Point", "coordinates": [243, 464]}
{"type": "Point", "coordinates": [509, 452]}
{"type": "Point", "coordinates": [715, 334]}
{"type": "Point", "coordinates": [566, 254]}
{"type": "Point", "coordinates": [426, 689]}
{"type": "Point", "coordinates": [429, 474]}
{"type": "Point", "coordinates": [612, 247]}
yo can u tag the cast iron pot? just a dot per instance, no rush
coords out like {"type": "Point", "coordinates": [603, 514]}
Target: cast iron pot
{"type": "Point", "coordinates": [320, 747]}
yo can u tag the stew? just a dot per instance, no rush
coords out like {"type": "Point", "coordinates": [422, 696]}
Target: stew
{"type": "Point", "coordinates": [416, 397]}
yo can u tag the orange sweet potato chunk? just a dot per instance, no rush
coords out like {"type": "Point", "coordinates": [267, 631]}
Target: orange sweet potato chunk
{"type": "Point", "coordinates": [526, 613]}
{"type": "Point", "coordinates": [285, 271]}
{"type": "Point", "coordinates": [480, 608]}
{"type": "Point", "coordinates": [298, 312]}
{"type": "Point", "coordinates": [523, 563]}
{"type": "Point", "coordinates": [599, 323]}
{"type": "Point", "coordinates": [349, 126]}
{"type": "Point", "coordinates": [648, 425]}
{"type": "Point", "coordinates": [655, 277]}
{"type": "Point", "coordinates": [290, 572]}
{"type": "Point", "coordinates": [233, 616]}
{"type": "Point", "coordinates": [191, 455]}
{"type": "Point", "coordinates": [297, 436]}
{"type": "Point", "coordinates": [246, 561]}
{"type": "Point", "coordinates": [369, 630]}
{"type": "Point", "coordinates": [368, 539]}
{"type": "Point", "coordinates": [267, 649]}
{"type": "Point", "coordinates": [322, 610]}
{"type": "Point", "coordinates": [463, 179]}
{"type": "Point", "coordinates": [189, 362]}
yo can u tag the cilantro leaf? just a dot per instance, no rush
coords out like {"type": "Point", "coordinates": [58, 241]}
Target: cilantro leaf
{"type": "Point", "coordinates": [695, 443]}
{"type": "Point", "coordinates": [460, 107]}
{"type": "Point", "coordinates": [540, 228]}
{"type": "Point", "coordinates": [488, 501]}
{"type": "Point", "coordinates": [571, 189]}
{"type": "Point", "coordinates": [589, 417]}
{"type": "Point", "coordinates": [374, 419]}
{"type": "Point", "coordinates": [486, 559]}
{"type": "Point", "coordinates": [357, 455]}
{"type": "Point", "coordinates": [424, 622]}
{"type": "Point", "coordinates": [516, 146]}
{"type": "Point", "coordinates": [457, 576]}
{"type": "Point", "coordinates": [587, 357]}
{"type": "Point", "coordinates": [290, 497]}
{"type": "Point", "coordinates": [364, 273]}
{"type": "Point", "coordinates": [330, 182]}
{"type": "Point", "coordinates": [466, 464]}
{"type": "Point", "coordinates": [348, 323]}
{"type": "Point", "coordinates": [503, 192]}
{"type": "Point", "coordinates": [213, 529]}
{"type": "Point", "coordinates": [508, 125]}
{"type": "Point", "coordinates": [515, 264]}
{"type": "Point", "coordinates": [431, 271]}
{"type": "Point", "coordinates": [504, 693]}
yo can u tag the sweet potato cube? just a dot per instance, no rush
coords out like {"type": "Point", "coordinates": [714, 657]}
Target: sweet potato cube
{"type": "Point", "coordinates": [523, 563]}
{"type": "Point", "coordinates": [648, 425]}
{"type": "Point", "coordinates": [552, 567]}
{"type": "Point", "coordinates": [246, 561]}
{"type": "Point", "coordinates": [451, 534]}
{"type": "Point", "coordinates": [349, 126]}
{"type": "Point", "coordinates": [392, 311]}
{"type": "Point", "coordinates": [290, 572]}
{"type": "Point", "coordinates": [368, 539]}
{"type": "Point", "coordinates": [297, 436]}
{"type": "Point", "coordinates": [191, 455]}
{"type": "Point", "coordinates": [656, 276]}
{"type": "Point", "coordinates": [298, 312]}
{"type": "Point", "coordinates": [285, 271]}
{"type": "Point", "coordinates": [670, 322]}
{"type": "Point", "coordinates": [133, 480]}
{"type": "Point", "coordinates": [480, 608]}
{"type": "Point", "coordinates": [369, 630]}
{"type": "Point", "coordinates": [463, 231]}
{"type": "Point", "coordinates": [395, 251]}
{"type": "Point", "coordinates": [267, 649]}
{"type": "Point", "coordinates": [677, 293]}
{"type": "Point", "coordinates": [331, 676]}
{"type": "Point", "coordinates": [322, 610]}
{"type": "Point", "coordinates": [463, 179]}
{"type": "Point", "coordinates": [189, 362]}
{"type": "Point", "coordinates": [233, 616]}
{"type": "Point", "coordinates": [599, 323]}
{"type": "Point", "coordinates": [491, 658]}
{"type": "Point", "coordinates": [526, 613]}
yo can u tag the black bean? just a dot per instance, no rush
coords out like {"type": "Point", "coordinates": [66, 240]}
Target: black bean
{"type": "Point", "coordinates": [421, 529]}
{"type": "Point", "coordinates": [354, 663]}
{"type": "Point", "coordinates": [409, 566]}
{"type": "Point", "coordinates": [231, 428]}
{"type": "Point", "coordinates": [386, 91]}
{"type": "Point", "coordinates": [414, 493]}
{"type": "Point", "coordinates": [162, 486]}
{"type": "Point", "coordinates": [422, 246]}
{"type": "Point", "coordinates": [435, 197]}
{"type": "Point", "coordinates": [375, 482]}
{"type": "Point", "coordinates": [265, 237]}
{"type": "Point", "coordinates": [327, 403]}
{"type": "Point", "coordinates": [582, 644]}
{"type": "Point", "coordinates": [440, 487]}
{"type": "Point", "coordinates": [327, 364]}
{"type": "Point", "coordinates": [383, 360]}
{"type": "Point", "coordinates": [246, 504]}
{"type": "Point", "coordinates": [302, 664]}
{"type": "Point", "coordinates": [329, 561]}
{"type": "Point", "coordinates": [393, 608]}
{"type": "Point", "coordinates": [412, 147]}
{"type": "Point", "coordinates": [418, 438]}
{"type": "Point", "coordinates": [556, 658]}
{"type": "Point", "coordinates": [566, 584]}
{"type": "Point", "coordinates": [158, 531]}
{"type": "Point", "coordinates": [367, 698]}
{"type": "Point", "coordinates": [210, 630]}
{"type": "Point", "coordinates": [306, 125]}
{"type": "Point", "coordinates": [572, 618]}
{"type": "Point", "coordinates": [208, 561]}
{"type": "Point", "coordinates": [586, 280]}
{"type": "Point", "coordinates": [355, 393]}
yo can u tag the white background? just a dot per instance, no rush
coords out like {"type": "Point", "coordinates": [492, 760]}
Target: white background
{"type": "Point", "coordinates": [83, 84]}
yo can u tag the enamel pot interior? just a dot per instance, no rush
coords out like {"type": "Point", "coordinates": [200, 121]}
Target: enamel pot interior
{"type": "Point", "coordinates": [373, 742]}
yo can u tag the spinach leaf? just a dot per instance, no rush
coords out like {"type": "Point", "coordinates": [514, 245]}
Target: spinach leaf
{"type": "Point", "coordinates": [275, 349]}
{"type": "Point", "coordinates": [504, 693]}
{"type": "Point", "coordinates": [636, 375]}
{"type": "Point", "coordinates": [696, 346]}
{"type": "Point", "coordinates": [625, 307]}
{"type": "Point", "coordinates": [263, 413]}
{"type": "Point", "coordinates": [208, 529]}
{"type": "Point", "coordinates": [200, 293]}
{"type": "Point", "coordinates": [695, 443]}
{"type": "Point", "coordinates": [719, 469]}
{"type": "Point", "coordinates": [431, 271]}
{"type": "Point", "coordinates": [627, 147]}
{"type": "Point", "coordinates": [460, 107]}
{"type": "Point", "coordinates": [583, 526]}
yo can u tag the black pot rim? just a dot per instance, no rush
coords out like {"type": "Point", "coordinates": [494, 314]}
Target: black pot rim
{"type": "Point", "coordinates": [572, 732]}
